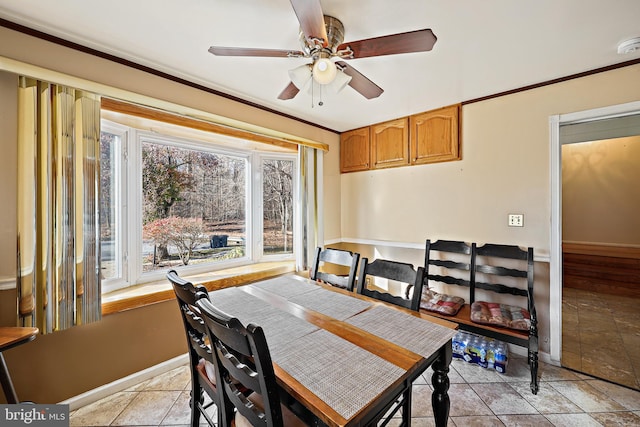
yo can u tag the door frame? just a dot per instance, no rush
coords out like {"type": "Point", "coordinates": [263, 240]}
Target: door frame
{"type": "Point", "coordinates": [555, 267]}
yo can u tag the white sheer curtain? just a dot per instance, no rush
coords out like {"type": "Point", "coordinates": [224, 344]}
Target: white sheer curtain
{"type": "Point", "coordinates": [58, 206]}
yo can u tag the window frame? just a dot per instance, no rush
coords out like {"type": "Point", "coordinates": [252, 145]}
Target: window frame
{"type": "Point", "coordinates": [122, 171]}
{"type": "Point", "coordinates": [258, 228]}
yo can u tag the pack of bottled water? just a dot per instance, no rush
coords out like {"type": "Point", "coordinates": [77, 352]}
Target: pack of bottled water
{"type": "Point", "coordinates": [482, 351]}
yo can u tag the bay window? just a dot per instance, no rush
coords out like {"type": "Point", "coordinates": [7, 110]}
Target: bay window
{"type": "Point", "coordinates": [177, 201]}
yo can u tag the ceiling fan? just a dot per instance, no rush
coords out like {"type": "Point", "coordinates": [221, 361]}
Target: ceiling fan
{"type": "Point", "coordinates": [322, 38]}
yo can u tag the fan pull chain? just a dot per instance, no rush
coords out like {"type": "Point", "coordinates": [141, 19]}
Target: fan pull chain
{"type": "Point", "coordinates": [313, 85]}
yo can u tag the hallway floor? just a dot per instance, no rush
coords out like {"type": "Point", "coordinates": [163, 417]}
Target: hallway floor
{"type": "Point", "coordinates": [601, 335]}
{"type": "Point", "coordinates": [479, 397]}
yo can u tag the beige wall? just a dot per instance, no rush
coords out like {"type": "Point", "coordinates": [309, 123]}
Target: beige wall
{"type": "Point", "coordinates": [601, 192]}
{"type": "Point", "coordinates": [332, 210]}
{"type": "Point", "coordinates": [64, 364]}
{"type": "Point", "coordinates": [504, 169]}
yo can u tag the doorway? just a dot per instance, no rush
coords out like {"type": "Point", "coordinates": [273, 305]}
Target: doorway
{"type": "Point", "coordinates": [601, 254]}
{"type": "Point", "coordinates": [575, 128]}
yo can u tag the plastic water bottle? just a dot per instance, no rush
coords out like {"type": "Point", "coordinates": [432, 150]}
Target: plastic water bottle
{"type": "Point", "coordinates": [466, 343]}
{"type": "Point", "coordinates": [501, 358]}
{"type": "Point", "coordinates": [457, 345]}
{"type": "Point", "coordinates": [474, 349]}
{"type": "Point", "coordinates": [482, 353]}
{"type": "Point", "coordinates": [491, 355]}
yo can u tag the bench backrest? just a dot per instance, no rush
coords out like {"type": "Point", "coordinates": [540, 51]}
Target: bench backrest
{"type": "Point", "coordinates": [437, 255]}
{"type": "Point", "coordinates": [489, 259]}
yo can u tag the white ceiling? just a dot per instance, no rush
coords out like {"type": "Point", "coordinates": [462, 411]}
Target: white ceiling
{"type": "Point", "coordinates": [483, 48]}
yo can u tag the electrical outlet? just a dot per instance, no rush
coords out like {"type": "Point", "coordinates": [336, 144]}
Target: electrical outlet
{"type": "Point", "coordinates": [516, 220]}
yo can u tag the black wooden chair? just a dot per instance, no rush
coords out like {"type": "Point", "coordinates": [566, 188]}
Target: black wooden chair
{"type": "Point", "coordinates": [397, 272]}
{"type": "Point", "coordinates": [496, 265]}
{"type": "Point", "coordinates": [201, 361]}
{"type": "Point", "coordinates": [394, 271]}
{"type": "Point", "coordinates": [244, 362]}
{"type": "Point", "coordinates": [335, 258]}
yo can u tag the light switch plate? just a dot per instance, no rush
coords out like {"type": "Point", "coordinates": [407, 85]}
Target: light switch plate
{"type": "Point", "coordinates": [516, 220]}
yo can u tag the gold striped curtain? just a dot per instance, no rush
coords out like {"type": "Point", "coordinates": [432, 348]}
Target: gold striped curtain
{"type": "Point", "coordinates": [308, 204]}
{"type": "Point", "coordinates": [58, 206]}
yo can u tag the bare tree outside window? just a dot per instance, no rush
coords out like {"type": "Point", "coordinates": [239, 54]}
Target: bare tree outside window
{"type": "Point", "coordinates": [110, 237]}
{"type": "Point", "coordinates": [278, 206]}
{"type": "Point", "coordinates": [193, 206]}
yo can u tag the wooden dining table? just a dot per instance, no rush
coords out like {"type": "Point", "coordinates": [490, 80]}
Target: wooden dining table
{"type": "Point", "coordinates": [343, 357]}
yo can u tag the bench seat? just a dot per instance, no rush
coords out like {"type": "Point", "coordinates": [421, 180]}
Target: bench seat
{"type": "Point", "coordinates": [463, 319]}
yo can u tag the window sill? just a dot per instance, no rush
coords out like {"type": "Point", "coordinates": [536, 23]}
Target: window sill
{"type": "Point", "coordinates": [151, 293]}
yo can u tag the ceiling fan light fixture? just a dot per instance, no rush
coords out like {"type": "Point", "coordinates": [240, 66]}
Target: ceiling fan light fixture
{"type": "Point", "coordinates": [340, 82]}
{"type": "Point", "coordinates": [300, 76]}
{"type": "Point", "coordinates": [324, 71]}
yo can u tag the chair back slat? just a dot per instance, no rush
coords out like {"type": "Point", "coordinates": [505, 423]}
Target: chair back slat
{"type": "Point", "coordinates": [501, 251]}
{"type": "Point", "coordinates": [449, 280]}
{"type": "Point", "coordinates": [501, 289]}
{"type": "Point", "coordinates": [500, 271]}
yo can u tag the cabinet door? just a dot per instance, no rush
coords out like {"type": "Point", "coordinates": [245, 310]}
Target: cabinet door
{"type": "Point", "coordinates": [354, 150]}
{"type": "Point", "coordinates": [435, 136]}
{"type": "Point", "coordinates": [390, 144]}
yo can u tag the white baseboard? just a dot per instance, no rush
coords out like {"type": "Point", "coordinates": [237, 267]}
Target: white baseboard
{"type": "Point", "coordinates": [124, 383]}
{"type": "Point", "coordinates": [7, 283]}
{"type": "Point", "coordinates": [542, 356]}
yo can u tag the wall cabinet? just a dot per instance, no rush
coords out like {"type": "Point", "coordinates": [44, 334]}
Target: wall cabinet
{"type": "Point", "coordinates": [429, 137]}
{"type": "Point", "coordinates": [390, 144]}
{"type": "Point", "coordinates": [354, 150]}
{"type": "Point", "coordinates": [435, 136]}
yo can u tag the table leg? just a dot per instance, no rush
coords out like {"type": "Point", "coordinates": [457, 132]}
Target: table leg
{"type": "Point", "coordinates": [440, 381]}
{"type": "Point", "coordinates": [7, 385]}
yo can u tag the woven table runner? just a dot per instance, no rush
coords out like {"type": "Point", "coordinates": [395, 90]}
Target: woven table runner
{"type": "Point", "coordinates": [413, 333]}
{"type": "Point", "coordinates": [279, 327]}
{"type": "Point", "coordinates": [330, 303]}
{"type": "Point", "coordinates": [287, 286]}
{"type": "Point", "coordinates": [236, 302]}
{"type": "Point", "coordinates": [343, 375]}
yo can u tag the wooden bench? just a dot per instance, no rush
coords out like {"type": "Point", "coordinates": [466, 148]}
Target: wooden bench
{"type": "Point", "coordinates": [482, 268]}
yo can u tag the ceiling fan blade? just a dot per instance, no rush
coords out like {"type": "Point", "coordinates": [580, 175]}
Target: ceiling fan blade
{"type": "Point", "coordinates": [247, 51]}
{"type": "Point", "coordinates": [412, 41]}
{"type": "Point", "coordinates": [359, 82]}
{"type": "Point", "coordinates": [311, 18]}
{"type": "Point", "coordinates": [289, 92]}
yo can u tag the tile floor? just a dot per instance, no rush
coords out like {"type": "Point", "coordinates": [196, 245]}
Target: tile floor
{"type": "Point", "coordinates": [601, 335]}
{"type": "Point", "coordinates": [478, 398]}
